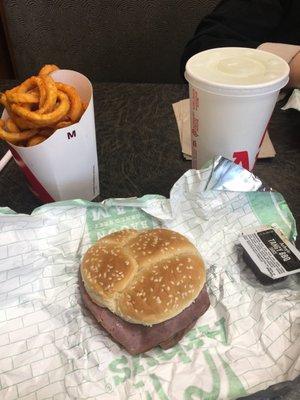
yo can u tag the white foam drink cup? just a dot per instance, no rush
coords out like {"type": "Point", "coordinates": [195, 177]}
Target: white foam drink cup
{"type": "Point", "coordinates": [233, 92]}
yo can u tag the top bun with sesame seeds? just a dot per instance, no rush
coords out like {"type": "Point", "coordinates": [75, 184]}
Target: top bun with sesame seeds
{"type": "Point", "coordinates": [145, 277]}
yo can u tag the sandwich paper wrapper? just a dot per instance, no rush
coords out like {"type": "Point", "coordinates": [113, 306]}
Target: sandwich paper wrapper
{"type": "Point", "coordinates": [52, 348]}
{"type": "Point", "coordinates": [65, 166]}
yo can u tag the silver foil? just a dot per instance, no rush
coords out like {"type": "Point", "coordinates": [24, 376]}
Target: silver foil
{"type": "Point", "coordinates": [226, 175]}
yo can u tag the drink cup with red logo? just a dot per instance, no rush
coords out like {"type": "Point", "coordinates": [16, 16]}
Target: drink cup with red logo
{"type": "Point", "coordinates": [233, 92]}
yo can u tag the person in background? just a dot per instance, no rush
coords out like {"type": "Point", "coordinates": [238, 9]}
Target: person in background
{"type": "Point", "coordinates": [270, 25]}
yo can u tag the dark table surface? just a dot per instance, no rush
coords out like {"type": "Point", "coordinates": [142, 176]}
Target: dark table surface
{"type": "Point", "coordinates": [139, 153]}
{"type": "Point", "coordinates": [139, 149]}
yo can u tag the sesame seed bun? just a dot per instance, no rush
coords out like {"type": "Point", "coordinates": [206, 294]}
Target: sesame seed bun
{"type": "Point", "coordinates": [145, 277]}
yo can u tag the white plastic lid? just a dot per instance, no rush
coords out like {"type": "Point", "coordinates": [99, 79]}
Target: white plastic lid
{"type": "Point", "coordinates": [237, 71]}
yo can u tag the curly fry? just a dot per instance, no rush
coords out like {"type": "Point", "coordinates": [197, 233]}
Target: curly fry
{"type": "Point", "coordinates": [16, 137]}
{"type": "Point", "coordinates": [21, 123]}
{"type": "Point", "coordinates": [26, 86]}
{"type": "Point", "coordinates": [44, 120]}
{"type": "Point", "coordinates": [30, 91]}
{"type": "Point", "coordinates": [37, 139]}
{"type": "Point", "coordinates": [39, 106]}
{"type": "Point", "coordinates": [46, 132]}
{"type": "Point", "coordinates": [40, 92]}
{"type": "Point", "coordinates": [17, 97]}
{"type": "Point", "coordinates": [46, 98]}
{"type": "Point", "coordinates": [11, 126]}
{"type": "Point", "coordinates": [63, 124]}
{"type": "Point", "coordinates": [43, 94]}
{"type": "Point", "coordinates": [51, 95]}
{"type": "Point", "coordinates": [84, 106]}
{"type": "Point", "coordinates": [3, 100]}
{"type": "Point", "coordinates": [76, 106]}
{"type": "Point", "coordinates": [47, 69]}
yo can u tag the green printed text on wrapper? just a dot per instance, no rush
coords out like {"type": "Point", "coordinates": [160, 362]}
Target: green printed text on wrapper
{"type": "Point", "coordinates": [141, 369]}
{"type": "Point", "coordinates": [103, 221]}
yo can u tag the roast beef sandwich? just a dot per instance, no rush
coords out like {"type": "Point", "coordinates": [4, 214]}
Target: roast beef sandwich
{"type": "Point", "coordinates": [145, 288]}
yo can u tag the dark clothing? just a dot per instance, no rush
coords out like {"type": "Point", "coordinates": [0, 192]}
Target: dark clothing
{"type": "Point", "coordinates": [246, 23]}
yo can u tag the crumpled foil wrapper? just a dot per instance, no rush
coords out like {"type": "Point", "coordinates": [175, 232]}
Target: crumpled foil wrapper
{"type": "Point", "coordinates": [226, 175]}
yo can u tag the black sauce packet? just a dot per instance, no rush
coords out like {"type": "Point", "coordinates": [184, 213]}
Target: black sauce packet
{"type": "Point", "coordinates": [270, 255]}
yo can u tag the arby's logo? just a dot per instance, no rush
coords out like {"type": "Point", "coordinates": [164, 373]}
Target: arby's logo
{"type": "Point", "coordinates": [241, 157]}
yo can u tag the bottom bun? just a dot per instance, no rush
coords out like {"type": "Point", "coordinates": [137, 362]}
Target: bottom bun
{"type": "Point", "coordinates": [137, 338]}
